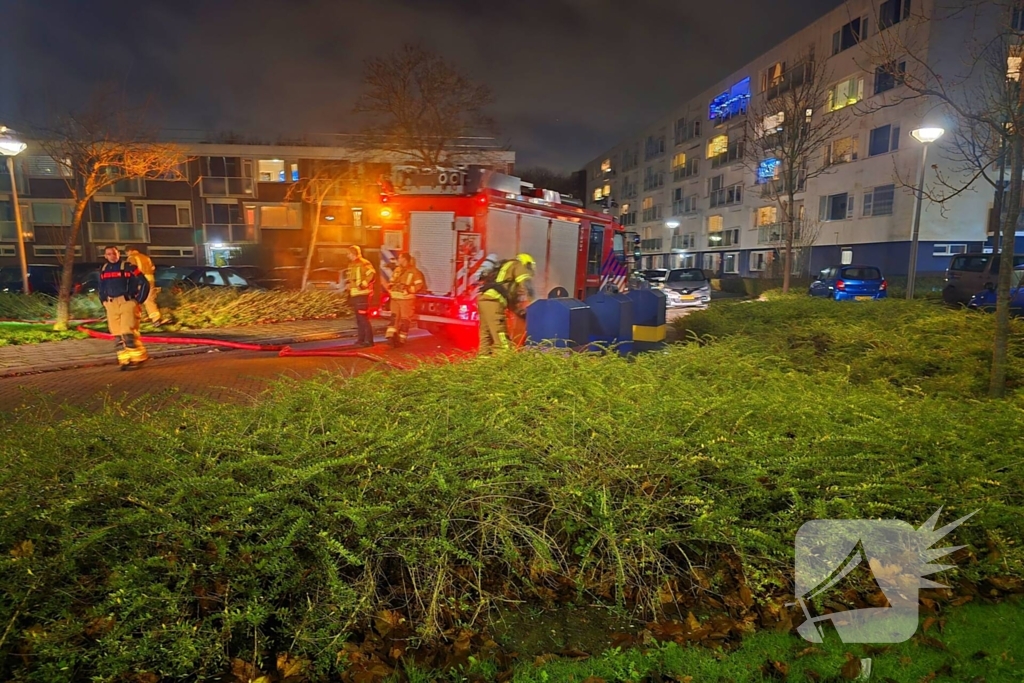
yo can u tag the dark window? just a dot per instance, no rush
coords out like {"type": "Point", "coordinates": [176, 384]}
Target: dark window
{"type": "Point", "coordinates": [884, 139]}
{"type": "Point", "coordinates": [849, 35]}
{"type": "Point", "coordinates": [596, 247]}
{"type": "Point", "coordinates": [976, 264]}
{"type": "Point", "coordinates": [836, 207]}
{"type": "Point", "coordinates": [1017, 261]}
{"type": "Point", "coordinates": [892, 12]}
{"type": "Point", "coordinates": [862, 274]}
{"type": "Point", "coordinates": [110, 212]}
{"type": "Point", "coordinates": [163, 214]}
{"type": "Point", "coordinates": [888, 75]}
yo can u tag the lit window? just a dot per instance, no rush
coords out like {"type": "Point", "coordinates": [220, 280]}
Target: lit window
{"type": "Point", "coordinates": [598, 194]}
{"type": "Point", "coordinates": [1013, 62]}
{"type": "Point", "coordinates": [843, 150]}
{"type": "Point", "coordinates": [279, 217]}
{"type": "Point", "coordinates": [767, 215]}
{"type": "Point", "coordinates": [607, 190]}
{"type": "Point", "coordinates": [606, 165]}
{"type": "Point", "coordinates": [271, 170]}
{"type": "Point", "coordinates": [716, 223]}
{"type": "Point", "coordinates": [731, 103]}
{"type": "Point", "coordinates": [768, 170]}
{"type": "Point", "coordinates": [718, 145]}
{"type": "Point", "coordinates": [850, 91]}
{"type": "Point", "coordinates": [679, 161]}
{"type": "Point", "coordinates": [772, 123]}
{"type": "Point", "coordinates": [648, 203]}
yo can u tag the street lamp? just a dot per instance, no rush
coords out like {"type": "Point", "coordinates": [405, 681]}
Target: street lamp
{"type": "Point", "coordinates": [672, 224]}
{"type": "Point", "coordinates": [925, 136]}
{"type": "Point", "coordinates": [10, 147]}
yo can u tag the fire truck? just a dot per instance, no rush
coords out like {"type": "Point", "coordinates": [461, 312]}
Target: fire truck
{"type": "Point", "coordinates": [452, 220]}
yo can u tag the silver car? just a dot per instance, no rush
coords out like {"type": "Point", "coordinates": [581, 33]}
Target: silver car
{"type": "Point", "coordinates": [685, 287]}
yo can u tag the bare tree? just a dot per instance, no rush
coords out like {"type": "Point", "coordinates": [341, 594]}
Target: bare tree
{"type": "Point", "coordinates": [789, 126]}
{"type": "Point", "coordinates": [328, 179]}
{"type": "Point", "coordinates": [95, 148]}
{"type": "Point", "coordinates": [803, 241]}
{"type": "Point", "coordinates": [978, 98]}
{"type": "Point", "coordinates": [426, 109]}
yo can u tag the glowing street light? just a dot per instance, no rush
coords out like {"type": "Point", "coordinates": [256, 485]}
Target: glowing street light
{"type": "Point", "coordinates": [925, 135]}
{"type": "Point", "coordinates": [10, 147]}
{"type": "Point", "coordinates": [672, 224]}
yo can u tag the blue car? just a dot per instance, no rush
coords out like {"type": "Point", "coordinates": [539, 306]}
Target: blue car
{"type": "Point", "coordinates": [985, 300]}
{"type": "Point", "coordinates": [850, 283]}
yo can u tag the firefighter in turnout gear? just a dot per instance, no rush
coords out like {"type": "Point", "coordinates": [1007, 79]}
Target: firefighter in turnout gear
{"type": "Point", "coordinates": [145, 264]}
{"type": "Point", "coordinates": [508, 287]}
{"type": "Point", "coordinates": [406, 282]}
{"type": "Point", "coordinates": [360, 277]}
{"type": "Point", "coordinates": [122, 289]}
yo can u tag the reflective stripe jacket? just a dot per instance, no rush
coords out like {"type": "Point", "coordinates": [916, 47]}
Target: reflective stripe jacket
{"type": "Point", "coordinates": [513, 277]}
{"type": "Point", "coordinates": [406, 283]}
{"type": "Point", "coordinates": [143, 263]}
{"type": "Point", "coordinates": [122, 281]}
{"type": "Point", "coordinates": [360, 276]}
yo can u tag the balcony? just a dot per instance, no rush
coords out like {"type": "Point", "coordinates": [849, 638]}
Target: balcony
{"type": "Point", "coordinates": [229, 232]}
{"type": "Point", "coordinates": [129, 186]}
{"type": "Point", "coordinates": [218, 186]}
{"type": "Point", "coordinates": [119, 232]}
{"type": "Point", "coordinates": [9, 231]}
{"type": "Point", "coordinates": [775, 233]}
{"type": "Point", "coordinates": [777, 188]}
{"type": "Point", "coordinates": [682, 242]}
{"type": "Point", "coordinates": [791, 79]}
{"type": "Point", "coordinates": [651, 245]}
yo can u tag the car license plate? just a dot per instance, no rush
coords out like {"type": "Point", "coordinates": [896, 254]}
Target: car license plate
{"type": "Point", "coordinates": [863, 298]}
{"type": "Point", "coordinates": [687, 297]}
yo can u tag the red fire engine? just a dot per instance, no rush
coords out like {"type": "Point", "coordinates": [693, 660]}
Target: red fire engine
{"type": "Point", "coordinates": [451, 221]}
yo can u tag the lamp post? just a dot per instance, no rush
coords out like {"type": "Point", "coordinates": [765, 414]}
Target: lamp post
{"type": "Point", "coordinates": [10, 147]}
{"type": "Point", "coordinates": [925, 136]}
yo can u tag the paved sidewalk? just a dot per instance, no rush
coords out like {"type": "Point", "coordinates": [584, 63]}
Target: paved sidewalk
{"type": "Point", "coordinates": [76, 353]}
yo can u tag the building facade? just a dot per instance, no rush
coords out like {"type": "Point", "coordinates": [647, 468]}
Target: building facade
{"type": "Point", "coordinates": [684, 184]}
{"type": "Point", "coordinates": [228, 204]}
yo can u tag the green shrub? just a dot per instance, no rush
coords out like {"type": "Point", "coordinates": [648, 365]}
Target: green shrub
{"type": "Point", "coordinates": [44, 307]}
{"type": "Point", "coordinates": [171, 541]}
{"type": "Point", "coordinates": [223, 307]}
{"type": "Point", "coordinates": [916, 345]}
{"type": "Point", "coordinates": [12, 334]}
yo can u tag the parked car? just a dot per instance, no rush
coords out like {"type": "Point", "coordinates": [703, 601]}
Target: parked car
{"type": "Point", "coordinates": [327, 278]}
{"type": "Point", "coordinates": [850, 283]}
{"type": "Point", "coordinates": [985, 300]}
{"type": "Point", "coordinates": [212, 276]}
{"type": "Point", "coordinates": [166, 276]}
{"type": "Point", "coordinates": [42, 279]}
{"type": "Point", "coordinates": [969, 274]}
{"type": "Point", "coordinates": [683, 286]}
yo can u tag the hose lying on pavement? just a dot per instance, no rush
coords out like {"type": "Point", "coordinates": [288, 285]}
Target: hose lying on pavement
{"type": "Point", "coordinates": [280, 349]}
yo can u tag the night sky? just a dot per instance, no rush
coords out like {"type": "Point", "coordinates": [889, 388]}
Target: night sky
{"type": "Point", "coordinates": [571, 77]}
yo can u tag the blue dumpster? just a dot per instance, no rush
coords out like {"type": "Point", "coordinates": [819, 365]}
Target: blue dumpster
{"type": "Point", "coordinates": [611, 321]}
{"type": "Point", "coordinates": [649, 329]}
{"type": "Point", "coordinates": [562, 322]}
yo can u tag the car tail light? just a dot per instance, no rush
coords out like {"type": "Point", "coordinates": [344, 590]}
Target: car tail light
{"type": "Point", "coordinates": [882, 287]}
{"type": "Point", "coordinates": [840, 285]}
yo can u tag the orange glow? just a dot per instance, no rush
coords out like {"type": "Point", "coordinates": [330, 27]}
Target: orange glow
{"type": "Point", "coordinates": [385, 212]}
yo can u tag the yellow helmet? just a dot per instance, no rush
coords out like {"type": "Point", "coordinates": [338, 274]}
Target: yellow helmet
{"type": "Point", "coordinates": [526, 260]}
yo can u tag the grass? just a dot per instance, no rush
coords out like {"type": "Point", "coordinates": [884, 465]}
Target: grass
{"type": "Point", "coordinates": [13, 334]}
{"type": "Point", "coordinates": [340, 512]}
{"type": "Point", "coordinates": [978, 642]}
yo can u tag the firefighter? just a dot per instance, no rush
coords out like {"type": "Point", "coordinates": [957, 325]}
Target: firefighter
{"type": "Point", "coordinates": [145, 264]}
{"type": "Point", "coordinates": [122, 288]}
{"type": "Point", "coordinates": [406, 282]}
{"type": "Point", "coordinates": [360, 277]}
{"type": "Point", "coordinates": [510, 288]}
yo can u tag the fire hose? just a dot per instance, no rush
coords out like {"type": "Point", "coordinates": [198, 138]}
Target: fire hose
{"type": "Point", "coordinates": [282, 350]}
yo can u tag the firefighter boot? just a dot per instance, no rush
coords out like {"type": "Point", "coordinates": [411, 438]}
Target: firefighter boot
{"type": "Point", "coordinates": [123, 356]}
{"type": "Point", "coordinates": [136, 351]}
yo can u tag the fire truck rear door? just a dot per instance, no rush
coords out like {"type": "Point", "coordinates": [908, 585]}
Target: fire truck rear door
{"type": "Point", "coordinates": [565, 237]}
{"type": "Point", "coordinates": [432, 244]}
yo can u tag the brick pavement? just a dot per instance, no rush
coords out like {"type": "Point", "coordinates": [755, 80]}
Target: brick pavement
{"type": "Point", "coordinates": [74, 353]}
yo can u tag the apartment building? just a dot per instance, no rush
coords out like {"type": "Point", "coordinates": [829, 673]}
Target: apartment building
{"type": "Point", "coordinates": [683, 183]}
{"type": "Point", "coordinates": [228, 204]}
